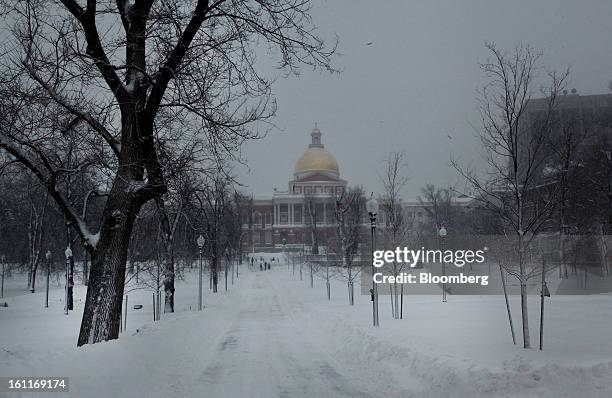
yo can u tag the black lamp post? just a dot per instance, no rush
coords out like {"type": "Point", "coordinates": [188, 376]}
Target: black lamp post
{"type": "Point", "coordinates": [372, 208]}
{"type": "Point", "coordinates": [3, 259]}
{"type": "Point", "coordinates": [442, 233]}
{"type": "Point", "coordinates": [200, 241]}
{"type": "Point", "coordinates": [68, 254]}
{"type": "Point", "coordinates": [48, 258]}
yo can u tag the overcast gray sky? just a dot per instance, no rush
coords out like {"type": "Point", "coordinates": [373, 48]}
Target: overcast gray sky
{"type": "Point", "coordinates": [415, 84]}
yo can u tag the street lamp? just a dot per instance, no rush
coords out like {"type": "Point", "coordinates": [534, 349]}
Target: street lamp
{"type": "Point", "coordinates": [68, 254]}
{"type": "Point", "coordinates": [372, 208]}
{"type": "Point", "coordinates": [200, 241]}
{"type": "Point", "coordinates": [442, 234]}
{"type": "Point", "coordinates": [284, 253]}
{"type": "Point", "coordinates": [3, 258]}
{"type": "Point", "coordinates": [48, 257]}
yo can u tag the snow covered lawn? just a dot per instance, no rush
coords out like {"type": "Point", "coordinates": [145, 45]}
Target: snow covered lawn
{"type": "Point", "coordinates": [272, 335]}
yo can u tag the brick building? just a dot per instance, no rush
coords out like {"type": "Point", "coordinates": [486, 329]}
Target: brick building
{"type": "Point", "coordinates": [292, 216]}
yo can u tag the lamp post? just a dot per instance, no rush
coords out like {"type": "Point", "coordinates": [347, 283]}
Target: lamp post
{"type": "Point", "coordinates": [48, 258]}
{"type": "Point", "coordinates": [200, 241]}
{"type": "Point", "coordinates": [3, 259]}
{"type": "Point", "coordinates": [2, 289]}
{"type": "Point", "coordinates": [442, 234]}
{"type": "Point", "coordinates": [372, 208]}
{"type": "Point", "coordinates": [68, 254]}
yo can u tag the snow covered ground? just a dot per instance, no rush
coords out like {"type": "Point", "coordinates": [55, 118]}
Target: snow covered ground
{"type": "Point", "coordinates": [271, 335]}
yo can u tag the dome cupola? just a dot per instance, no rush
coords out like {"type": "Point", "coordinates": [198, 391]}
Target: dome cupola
{"type": "Point", "coordinates": [316, 160]}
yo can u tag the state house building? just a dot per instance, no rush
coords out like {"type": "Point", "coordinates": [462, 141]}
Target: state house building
{"type": "Point", "coordinates": [308, 205]}
{"type": "Point", "coordinates": [287, 215]}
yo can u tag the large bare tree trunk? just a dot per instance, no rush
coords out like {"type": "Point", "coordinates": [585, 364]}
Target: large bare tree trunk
{"type": "Point", "coordinates": [102, 314]}
{"type": "Point", "coordinates": [106, 282]}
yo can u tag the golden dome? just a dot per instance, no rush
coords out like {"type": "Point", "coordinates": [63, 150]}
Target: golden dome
{"type": "Point", "coordinates": [316, 160]}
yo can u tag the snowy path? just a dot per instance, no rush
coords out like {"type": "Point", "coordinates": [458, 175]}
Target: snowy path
{"type": "Point", "coordinates": [266, 353]}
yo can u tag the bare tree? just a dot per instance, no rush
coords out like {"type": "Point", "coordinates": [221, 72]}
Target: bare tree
{"type": "Point", "coordinates": [564, 167]}
{"type": "Point", "coordinates": [310, 206]}
{"type": "Point", "coordinates": [36, 230]}
{"type": "Point", "coordinates": [181, 165]}
{"type": "Point", "coordinates": [215, 202]}
{"type": "Point", "coordinates": [349, 207]}
{"type": "Point", "coordinates": [437, 203]}
{"type": "Point", "coordinates": [514, 147]}
{"type": "Point", "coordinates": [234, 230]}
{"type": "Point", "coordinates": [394, 179]}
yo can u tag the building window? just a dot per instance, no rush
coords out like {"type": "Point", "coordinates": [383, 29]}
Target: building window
{"type": "Point", "coordinates": [269, 219]}
{"type": "Point", "coordinates": [268, 235]}
{"type": "Point", "coordinates": [298, 190]}
{"type": "Point", "coordinates": [328, 190]}
{"type": "Point", "coordinates": [284, 213]}
{"type": "Point", "coordinates": [256, 238]}
{"type": "Point", "coordinates": [257, 219]}
{"type": "Point", "coordinates": [297, 213]}
{"type": "Point", "coordinates": [307, 190]}
{"type": "Point", "coordinates": [318, 189]}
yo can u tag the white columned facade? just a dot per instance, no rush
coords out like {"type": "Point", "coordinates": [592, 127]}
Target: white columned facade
{"type": "Point", "coordinates": [275, 214]}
